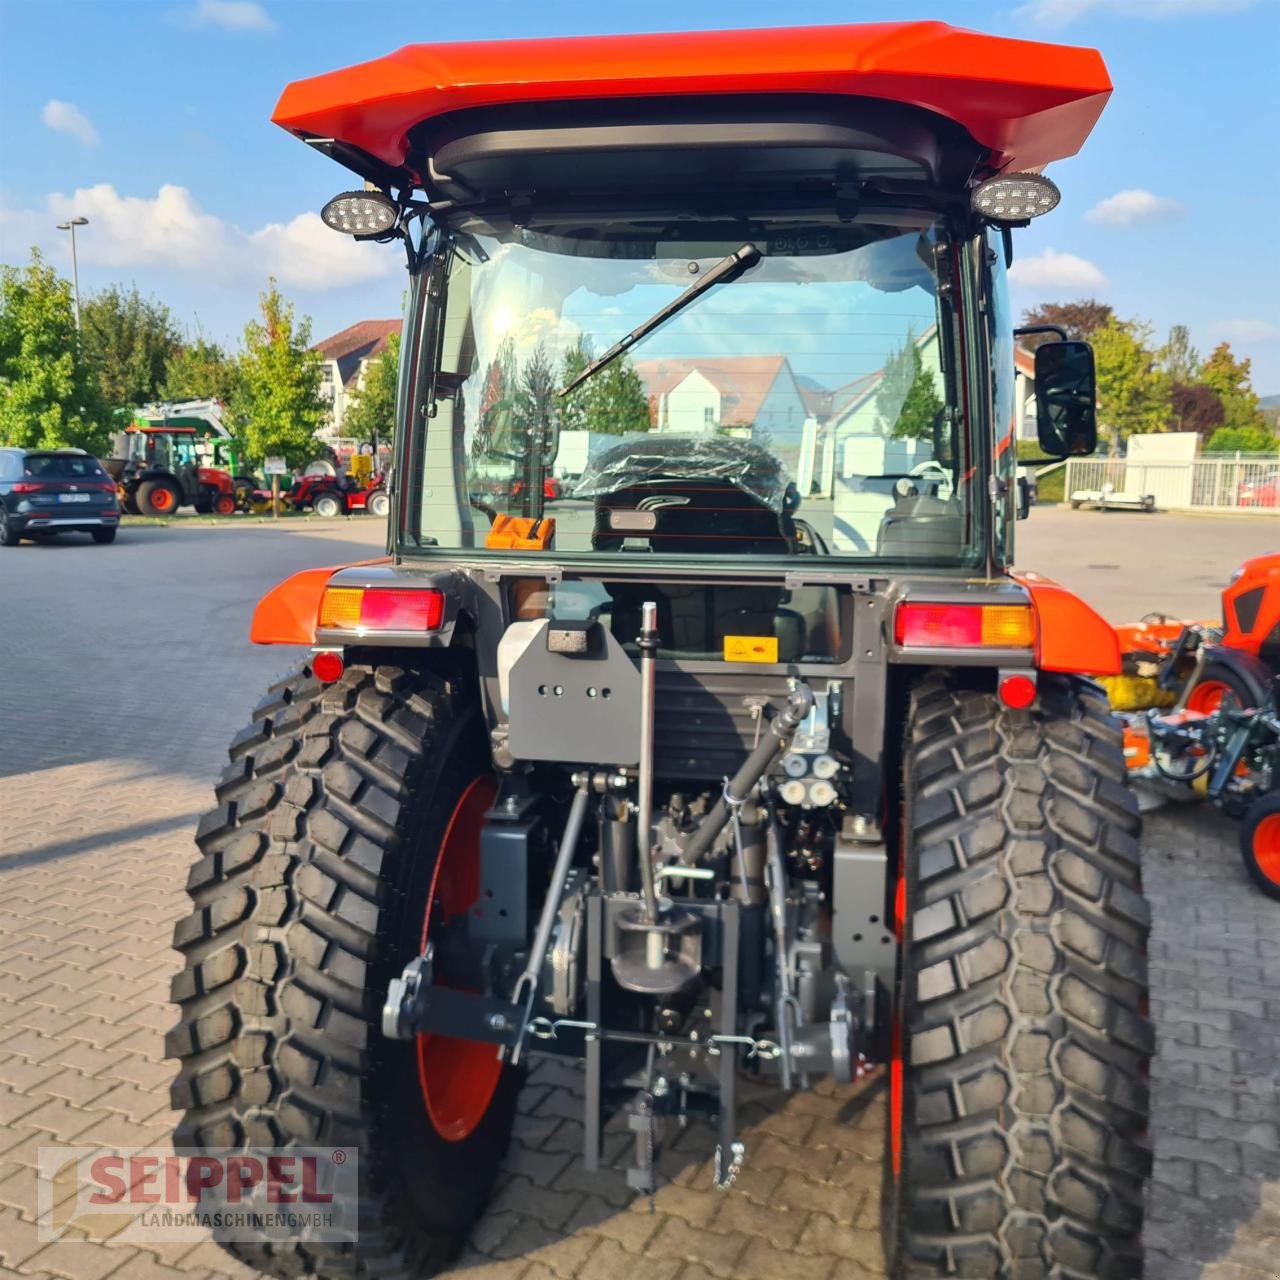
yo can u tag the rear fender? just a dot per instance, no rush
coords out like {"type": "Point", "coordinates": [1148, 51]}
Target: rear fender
{"type": "Point", "coordinates": [1070, 635]}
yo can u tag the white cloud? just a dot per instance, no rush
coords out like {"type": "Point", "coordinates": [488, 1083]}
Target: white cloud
{"type": "Point", "coordinates": [1056, 14]}
{"type": "Point", "coordinates": [1255, 331]}
{"type": "Point", "coordinates": [1050, 272]}
{"type": "Point", "coordinates": [171, 231]}
{"type": "Point", "coordinates": [1134, 205]}
{"type": "Point", "coordinates": [230, 15]}
{"type": "Point", "coordinates": [306, 254]}
{"type": "Point", "coordinates": [66, 117]}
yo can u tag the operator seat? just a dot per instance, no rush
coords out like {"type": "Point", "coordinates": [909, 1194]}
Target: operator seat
{"type": "Point", "coordinates": [920, 525]}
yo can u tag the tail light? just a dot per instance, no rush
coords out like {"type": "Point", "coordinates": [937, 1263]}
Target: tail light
{"type": "Point", "coordinates": [328, 666]}
{"type": "Point", "coordinates": [364, 609]}
{"type": "Point", "coordinates": [29, 486]}
{"type": "Point", "coordinates": [964, 626]}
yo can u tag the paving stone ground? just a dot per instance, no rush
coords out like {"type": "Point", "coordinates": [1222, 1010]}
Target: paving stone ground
{"type": "Point", "coordinates": [125, 674]}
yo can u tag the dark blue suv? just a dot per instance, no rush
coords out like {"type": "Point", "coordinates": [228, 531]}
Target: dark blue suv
{"type": "Point", "coordinates": [48, 491]}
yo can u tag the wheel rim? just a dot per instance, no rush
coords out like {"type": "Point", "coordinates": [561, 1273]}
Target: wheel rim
{"type": "Point", "coordinates": [1266, 847]}
{"type": "Point", "coordinates": [895, 1096]}
{"type": "Point", "coordinates": [225, 505]}
{"type": "Point", "coordinates": [161, 499]}
{"type": "Point", "coordinates": [458, 1077]}
{"type": "Point", "coordinates": [1207, 696]}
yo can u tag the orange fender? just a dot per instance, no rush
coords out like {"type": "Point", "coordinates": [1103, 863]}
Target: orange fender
{"type": "Point", "coordinates": [1070, 635]}
{"type": "Point", "coordinates": [287, 613]}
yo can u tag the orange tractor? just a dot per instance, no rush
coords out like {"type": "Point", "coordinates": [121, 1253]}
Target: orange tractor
{"type": "Point", "coordinates": [1215, 728]}
{"type": "Point", "coordinates": [739, 748]}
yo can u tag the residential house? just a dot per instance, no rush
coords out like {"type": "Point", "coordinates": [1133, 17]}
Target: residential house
{"type": "Point", "coordinates": [346, 356]}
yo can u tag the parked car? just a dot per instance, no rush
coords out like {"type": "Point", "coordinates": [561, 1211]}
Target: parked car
{"type": "Point", "coordinates": [1262, 492]}
{"type": "Point", "coordinates": [48, 491]}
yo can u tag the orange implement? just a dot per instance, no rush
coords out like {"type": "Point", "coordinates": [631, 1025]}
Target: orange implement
{"type": "Point", "coordinates": [520, 533]}
{"type": "Point", "coordinates": [1028, 102]}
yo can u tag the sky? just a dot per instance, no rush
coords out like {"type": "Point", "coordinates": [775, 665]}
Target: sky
{"type": "Point", "coordinates": [152, 119]}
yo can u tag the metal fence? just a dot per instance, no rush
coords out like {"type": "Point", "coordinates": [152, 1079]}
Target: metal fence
{"type": "Point", "coordinates": [1212, 484]}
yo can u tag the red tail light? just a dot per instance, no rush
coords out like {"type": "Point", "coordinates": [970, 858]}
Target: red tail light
{"type": "Point", "coordinates": [964, 626]}
{"type": "Point", "coordinates": [29, 486]}
{"type": "Point", "coordinates": [381, 609]}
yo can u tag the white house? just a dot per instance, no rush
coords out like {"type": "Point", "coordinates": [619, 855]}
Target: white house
{"type": "Point", "coordinates": [346, 355]}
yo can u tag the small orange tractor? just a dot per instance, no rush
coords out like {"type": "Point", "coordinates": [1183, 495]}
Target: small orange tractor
{"type": "Point", "coordinates": [1212, 726]}
{"type": "Point", "coordinates": [739, 748]}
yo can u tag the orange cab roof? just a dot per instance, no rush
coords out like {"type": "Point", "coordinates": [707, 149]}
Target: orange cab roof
{"type": "Point", "coordinates": [1028, 102]}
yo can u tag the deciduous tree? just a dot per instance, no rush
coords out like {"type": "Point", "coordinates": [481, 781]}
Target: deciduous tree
{"type": "Point", "coordinates": [200, 370]}
{"type": "Point", "coordinates": [1242, 440]}
{"type": "Point", "coordinates": [1178, 358]}
{"type": "Point", "coordinates": [130, 340]}
{"type": "Point", "coordinates": [1194, 407]}
{"type": "Point", "coordinates": [1229, 379]}
{"type": "Point", "coordinates": [1081, 319]}
{"type": "Point", "coordinates": [49, 396]}
{"type": "Point", "coordinates": [277, 407]}
{"type": "Point", "coordinates": [1133, 394]}
{"type": "Point", "coordinates": [611, 402]}
{"type": "Point", "coordinates": [374, 412]}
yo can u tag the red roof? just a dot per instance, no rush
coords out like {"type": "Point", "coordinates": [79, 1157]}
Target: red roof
{"type": "Point", "coordinates": [743, 382]}
{"type": "Point", "coordinates": [364, 340]}
{"type": "Point", "coordinates": [1028, 102]}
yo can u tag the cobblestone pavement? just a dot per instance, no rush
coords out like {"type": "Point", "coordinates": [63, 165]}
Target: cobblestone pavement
{"type": "Point", "coordinates": [126, 674]}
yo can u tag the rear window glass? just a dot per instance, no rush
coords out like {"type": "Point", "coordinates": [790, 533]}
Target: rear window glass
{"type": "Point", "coordinates": [63, 466]}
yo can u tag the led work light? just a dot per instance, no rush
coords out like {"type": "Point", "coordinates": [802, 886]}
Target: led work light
{"type": "Point", "coordinates": [1014, 197]}
{"type": "Point", "coordinates": [360, 213]}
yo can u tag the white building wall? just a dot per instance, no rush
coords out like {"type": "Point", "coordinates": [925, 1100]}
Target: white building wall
{"type": "Point", "coordinates": [692, 405]}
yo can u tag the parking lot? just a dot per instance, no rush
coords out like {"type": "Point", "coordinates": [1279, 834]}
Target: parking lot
{"type": "Point", "coordinates": [127, 670]}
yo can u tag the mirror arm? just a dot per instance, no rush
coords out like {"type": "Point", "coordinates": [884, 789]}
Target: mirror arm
{"type": "Point", "coordinates": [1042, 328]}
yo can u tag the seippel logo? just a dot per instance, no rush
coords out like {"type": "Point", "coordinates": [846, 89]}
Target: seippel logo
{"type": "Point", "coordinates": [167, 1194]}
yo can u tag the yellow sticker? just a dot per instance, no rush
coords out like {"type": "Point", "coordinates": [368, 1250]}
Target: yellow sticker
{"type": "Point", "coordinates": [751, 648]}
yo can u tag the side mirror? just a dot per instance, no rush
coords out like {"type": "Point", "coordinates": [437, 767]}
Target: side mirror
{"type": "Point", "coordinates": [1066, 396]}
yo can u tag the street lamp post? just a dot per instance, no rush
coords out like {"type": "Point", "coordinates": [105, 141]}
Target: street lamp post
{"type": "Point", "coordinates": [70, 225]}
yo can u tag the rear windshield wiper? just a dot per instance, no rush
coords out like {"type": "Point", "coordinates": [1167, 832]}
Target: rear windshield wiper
{"type": "Point", "coordinates": [725, 270]}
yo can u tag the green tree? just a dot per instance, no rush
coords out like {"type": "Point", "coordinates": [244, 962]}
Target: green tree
{"type": "Point", "coordinates": [277, 407]}
{"type": "Point", "coordinates": [612, 402]}
{"type": "Point", "coordinates": [1229, 379]}
{"type": "Point", "coordinates": [130, 340]}
{"type": "Point", "coordinates": [374, 411]}
{"type": "Point", "coordinates": [1133, 394]}
{"type": "Point", "coordinates": [1242, 440]}
{"type": "Point", "coordinates": [49, 396]}
{"type": "Point", "coordinates": [921, 405]}
{"type": "Point", "coordinates": [1178, 358]}
{"type": "Point", "coordinates": [200, 370]}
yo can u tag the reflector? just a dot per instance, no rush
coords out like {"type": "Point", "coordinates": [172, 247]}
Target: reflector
{"type": "Point", "coordinates": [1014, 197]}
{"type": "Point", "coordinates": [360, 213]}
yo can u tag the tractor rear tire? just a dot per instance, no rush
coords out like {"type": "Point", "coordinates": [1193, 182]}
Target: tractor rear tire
{"type": "Point", "coordinates": [1260, 843]}
{"type": "Point", "coordinates": [158, 498]}
{"type": "Point", "coordinates": [309, 897]}
{"type": "Point", "coordinates": [1217, 681]}
{"type": "Point", "coordinates": [1019, 1098]}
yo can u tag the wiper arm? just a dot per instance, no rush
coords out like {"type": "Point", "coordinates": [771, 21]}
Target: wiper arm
{"type": "Point", "coordinates": [725, 270]}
